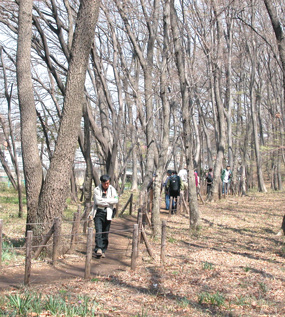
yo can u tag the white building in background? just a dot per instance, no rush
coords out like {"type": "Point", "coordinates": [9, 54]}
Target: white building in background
{"type": "Point", "coordinates": [79, 164]}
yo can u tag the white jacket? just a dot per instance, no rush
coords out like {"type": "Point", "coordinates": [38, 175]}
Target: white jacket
{"type": "Point", "coordinates": [104, 202]}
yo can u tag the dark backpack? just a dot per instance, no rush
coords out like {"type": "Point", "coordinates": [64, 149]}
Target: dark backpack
{"type": "Point", "coordinates": [209, 178]}
{"type": "Point", "coordinates": [174, 183]}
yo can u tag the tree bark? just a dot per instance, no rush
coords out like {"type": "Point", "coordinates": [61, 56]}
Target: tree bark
{"type": "Point", "coordinates": [31, 160]}
{"type": "Point", "coordinates": [180, 64]}
{"type": "Point", "coordinates": [55, 189]}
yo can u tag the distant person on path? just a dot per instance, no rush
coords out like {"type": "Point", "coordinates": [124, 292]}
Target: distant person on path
{"type": "Point", "coordinates": [166, 190]}
{"type": "Point", "coordinates": [174, 186]}
{"type": "Point", "coordinates": [196, 181]}
{"type": "Point", "coordinates": [183, 174]}
{"type": "Point", "coordinates": [209, 180]}
{"type": "Point", "coordinates": [105, 197]}
{"type": "Point", "coordinates": [226, 179]}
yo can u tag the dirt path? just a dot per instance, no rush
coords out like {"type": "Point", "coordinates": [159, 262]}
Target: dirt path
{"type": "Point", "coordinates": [73, 265]}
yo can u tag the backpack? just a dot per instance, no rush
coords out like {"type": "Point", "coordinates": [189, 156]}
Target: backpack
{"type": "Point", "coordinates": [174, 183]}
{"type": "Point", "coordinates": [209, 178]}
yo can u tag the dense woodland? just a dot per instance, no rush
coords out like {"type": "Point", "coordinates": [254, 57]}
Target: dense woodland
{"type": "Point", "coordinates": [142, 85]}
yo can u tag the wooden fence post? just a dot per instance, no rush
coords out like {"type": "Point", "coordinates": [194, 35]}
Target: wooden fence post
{"type": "Point", "coordinates": [126, 205]}
{"type": "Point", "coordinates": [148, 248]}
{"type": "Point", "coordinates": [44, 242]}
{"type": "Point", "coordinates": [135, 247]}
{"type": "Point", "coordinates": [75, 229]}
{"type": "Point", "coordinates": [170, 205]}
{"type": "Point", "coordinates": [163, 239]}
{"type": "Point", "coordinates": [178, 205]}
{"type": "Point", "coordinates": [88, 253]}
{"type": "Point", "coordinates": [140, 219]}
{"type": "Point", "coordinates": [131, 204]}
{"type": "Point", "coordinates": [56, 239]}
{"type": "Point", "coordinates": [1, 240]}
{"type": "Point", "coordinates": [28, 262]}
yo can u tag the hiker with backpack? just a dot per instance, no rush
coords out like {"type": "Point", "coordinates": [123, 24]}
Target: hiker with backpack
{"type": "Point", "coordinates": [209, 180]}
{"type": "Point", "coordinates": [174, 186]}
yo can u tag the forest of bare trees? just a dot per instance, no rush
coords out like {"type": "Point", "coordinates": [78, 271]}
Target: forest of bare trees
{"type": "Point", "coordinates": [144, 85]}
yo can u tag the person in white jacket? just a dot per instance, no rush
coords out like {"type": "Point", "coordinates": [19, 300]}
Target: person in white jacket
{"type": "Point", "coordinates": [105, 197]}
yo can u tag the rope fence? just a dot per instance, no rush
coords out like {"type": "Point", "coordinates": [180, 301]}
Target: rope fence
{"type": "Point", "coordinates": [34, 244]}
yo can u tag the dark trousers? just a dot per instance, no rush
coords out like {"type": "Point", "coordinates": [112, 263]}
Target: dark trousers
{"type": "Point", "coordinates": [102, 227]}
{"type": "Point", "coordinates": [209, 186]}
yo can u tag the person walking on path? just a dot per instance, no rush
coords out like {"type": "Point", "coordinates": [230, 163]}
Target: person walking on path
{"type": "Point", "coordinates": [174, 186]}
{"type": "Point", "coordinates": [226, 179]}
{"type": "Point", "coordinates": [209, 180]}
{"type": "Point", "coordinates": [166, 190]}
{"type": "Point", "coordinates": [105, 197]}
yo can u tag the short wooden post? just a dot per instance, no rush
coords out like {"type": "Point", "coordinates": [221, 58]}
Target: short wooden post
{"type": "Point", "coordinates": [56, 239]}
{"type": "Point", "coordinates": [163, 239]}
{"type": "Point", "coordinates": [220, 190]}
{"type": "Point", "coordinates": [75, 229]}
{"type": "Point", "coordinates": [44, 242]}
{"type": "Point", "coordinates": [178, 205]}
{"type": "Point", "coordinates": [87, 274]}
{"type": "Point", "coordinates": [148, 248]}
{"type": "Point", "coordinates": [1, 240]}
{"type": "Point", "coordinates": [170, 205]}
{"type": "Point", "coordinates": [146, 219]}
{"type": "Point", "coordinates": [28, 262]}
{"type": "Point", "coordinates": [140, 219]}
{"type": "Point", "coordinates": [135, 247]}
{"type": "Point", "coordinates": [131, 204]}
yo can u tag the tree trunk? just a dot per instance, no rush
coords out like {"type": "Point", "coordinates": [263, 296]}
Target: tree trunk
{"type": "Point", "coordinates": [180, 64]}
{"type": "Point", "coordinates": [261, 184]}
{"type": "Point", "coordinates": [31, 160]}
{"type": "Point", "coordinates": [55, 189]}
{"type": "Point", "coordinates": [165, 124]}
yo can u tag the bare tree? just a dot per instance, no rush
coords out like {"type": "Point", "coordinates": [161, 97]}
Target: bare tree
{"type": "Point", "coordinates": [180, 63]}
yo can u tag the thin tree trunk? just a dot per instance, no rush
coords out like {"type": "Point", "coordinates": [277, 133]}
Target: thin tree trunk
{"type": "Point", "coordinates": [180, 64]}
{"type": "Point", "coordinates": [31, 159]}
{"type": "Point", "coordinates": [261, 184]}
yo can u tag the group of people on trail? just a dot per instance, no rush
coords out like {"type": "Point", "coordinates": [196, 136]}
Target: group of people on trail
{"type": "Point", "coordinates": [106, 198]}
{"type": "Point", "coordinates": [174, 183]}
{"type": "Point", "coordinates": [226, 177]}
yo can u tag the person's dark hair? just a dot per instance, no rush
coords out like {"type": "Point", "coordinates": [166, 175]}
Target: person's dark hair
{"type": "Point", "coordinates": [174, 172]}
{"type": "Point", "coordinates": [105, 178]}
{"type": "Point", "coordinates": [228, 166]}
{"type": "Point", "coordinates": [210, 169]}
{"type": "Point", "coordinates": [169, 172]}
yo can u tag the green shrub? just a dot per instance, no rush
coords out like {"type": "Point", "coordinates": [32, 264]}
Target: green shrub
{"type": "Point", "coordinates": [216, 299]}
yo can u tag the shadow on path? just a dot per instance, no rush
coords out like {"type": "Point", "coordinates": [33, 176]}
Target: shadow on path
{"type": "Point", "coordinates": [73, 265]}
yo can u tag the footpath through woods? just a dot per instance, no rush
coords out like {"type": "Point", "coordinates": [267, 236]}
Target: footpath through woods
{"type": "Point", "coordinates": [118, 257]}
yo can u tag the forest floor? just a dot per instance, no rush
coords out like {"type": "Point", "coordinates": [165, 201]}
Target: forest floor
{"type": "Point", "coordinates": [233, 266]}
